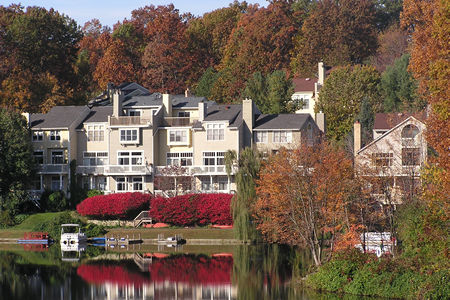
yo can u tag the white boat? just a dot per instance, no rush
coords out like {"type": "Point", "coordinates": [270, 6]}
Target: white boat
{"type": "Point", "coordinates": [71, 234]}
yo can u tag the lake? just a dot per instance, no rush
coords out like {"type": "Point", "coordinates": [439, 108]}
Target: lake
{"type": "Point", "coordinates": [154, 272]}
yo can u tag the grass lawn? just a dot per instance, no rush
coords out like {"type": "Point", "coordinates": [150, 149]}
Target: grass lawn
{"type": "Point", "coordinates": [187, 233]}
{"type": "Point", "coordinates": [28, 225]}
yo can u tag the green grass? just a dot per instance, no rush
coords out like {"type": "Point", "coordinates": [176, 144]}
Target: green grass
{"type": "Point", "coordinates": [187, 233]}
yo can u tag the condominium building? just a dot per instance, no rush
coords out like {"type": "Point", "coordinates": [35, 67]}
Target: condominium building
{"type": "Point", "coordinates": [129, 139]}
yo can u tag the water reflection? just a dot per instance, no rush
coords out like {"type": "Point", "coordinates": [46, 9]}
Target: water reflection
{"type": "Point", "coordinates": [246, 272]}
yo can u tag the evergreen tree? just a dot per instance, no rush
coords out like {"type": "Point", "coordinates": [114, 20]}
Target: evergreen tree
{"type": "Point", "coordinates": [206, 82]}
{"type": "Point", "coordinates": [249, 165]}
{"type": "Point", "coordinates": [398, 87]}
{"type": "Point", "coordinates": [16, 161]}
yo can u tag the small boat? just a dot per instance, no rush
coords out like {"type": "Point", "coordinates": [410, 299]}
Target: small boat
{"type": "Point", "coordinates": [172, 240]}
{"type": "Point", "coordinates": [71, 234]}
{"type": "Point", "coordinates": [35, 238]}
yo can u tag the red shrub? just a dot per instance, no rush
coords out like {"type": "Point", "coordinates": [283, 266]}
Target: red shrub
{"type": "Point", "coordinates": [192, 209]}
{"type": "Point", "coordinates": [121, 205]}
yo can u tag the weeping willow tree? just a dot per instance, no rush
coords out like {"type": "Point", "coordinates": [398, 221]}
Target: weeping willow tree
{"type": "Point", "coordinates": [249, 164]}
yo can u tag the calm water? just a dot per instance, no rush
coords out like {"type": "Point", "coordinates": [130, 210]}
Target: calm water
{"type": "Point", "coordinates": [202, 272]}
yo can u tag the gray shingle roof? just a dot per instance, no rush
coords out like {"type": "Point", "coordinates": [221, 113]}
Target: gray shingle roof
{"type": "Point", "coordinates": [154, 99]}
{"type": "Point", "coordinates": [97, 114]}
{"type": "Point", "coordinates": [57, 117]}
{"type": "Point", "coordinates": [180, 101]}
{"type": "Point", "coordinates": [227, 112]}
{"type": "Point", "coordinates": [280, 121]}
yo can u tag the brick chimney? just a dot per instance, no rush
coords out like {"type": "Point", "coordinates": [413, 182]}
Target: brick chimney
{"type": "Point", "coordinates": [248, 117]}
{"type": "Point", "coordinates": [356, 137]}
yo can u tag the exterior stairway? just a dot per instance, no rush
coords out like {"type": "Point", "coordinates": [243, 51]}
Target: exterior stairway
{"type": "Point", "coordinates": [142, 218]}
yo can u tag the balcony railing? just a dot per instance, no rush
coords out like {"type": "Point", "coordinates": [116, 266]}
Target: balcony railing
{"type": "Point", "coordinates": [115, 170]}
{"type": "Point", "coordinates": [179, 121]}
{"type": "Point", "coordinates": [193, 170]}
{"type": "Point", "coordinates": [129, 121]}
{"type": "Point", "coordinates": [53, 169]}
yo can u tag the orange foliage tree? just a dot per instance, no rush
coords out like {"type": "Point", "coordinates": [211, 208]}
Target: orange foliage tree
{"type": "Point", "coordinates": [303, 196]}
{"type": "Point", "coordinates": [428, 21]}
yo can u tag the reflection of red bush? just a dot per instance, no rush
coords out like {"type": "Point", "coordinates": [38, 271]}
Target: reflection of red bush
{"type": "Point", "coordinates": [200, 209]}
{"type": "Point", "coordinates": [99, 274]}
{"type": "Point", "coordinates": [199, 270]}
{"type": "Point", "coordinates": [114, 205]}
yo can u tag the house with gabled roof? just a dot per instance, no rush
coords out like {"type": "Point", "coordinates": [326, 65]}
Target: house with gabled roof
{"type": "Point", "coordinates": [129, 139]}
{"type": "Point", "coordinates": [395, 156]}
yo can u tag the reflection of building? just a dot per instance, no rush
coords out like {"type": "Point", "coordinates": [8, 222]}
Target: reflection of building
{"type": "Point", "coordinates": [127, 138]}
{"type": "Point", "coordinates": [394, 158]}
{"type": "Point", "coordinates": [163, 291]}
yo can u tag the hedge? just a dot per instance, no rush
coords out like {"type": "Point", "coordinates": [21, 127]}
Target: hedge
{"type": "Point", "coordinates": [192, 209]}
{"type": "Point", "coordinates": [113, 206]}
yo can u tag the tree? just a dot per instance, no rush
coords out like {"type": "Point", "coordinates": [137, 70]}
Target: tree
{"type": "Point", "coordinates": [393, 44]}
{"type": "Point", "coordinates": [387, 12]}
{"type": "Point", "coordinates": [16, 161]}
{"type": "Point", "coordinates": [342, 95]}
{"type": "Point", "coordinates": [428, 23]}
{"type": "Point", "coordinates": [272, 94]}
{"type": "Point", "coordinates": [337, 33]}
{"type": "Point", "coordinates": [206, 83]}
{"type": "Point", "coordinates": [399, 89]}
{"type": "Point", "coordinates": [166, 60]}
{"type": "Point", "coordinates": [303, 195]}
{"type": "Point", "coordinates": [249, 165]}
{"type": "Point", "coordinates": [260, 42]}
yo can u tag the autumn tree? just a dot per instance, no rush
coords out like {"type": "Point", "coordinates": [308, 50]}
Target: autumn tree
{"type": "Point", "coordinates": [302, 197]}
{"type": "Point", "coordinates": [337, 33]}
{"type": "Point", "coordinates": [427, 21]}
{"type": "Point", "coordinates": [271, 93]}
{"type": "Point", "coordinates": [37, 58]}
{"type": "Point", "coordinates": [165, 60]}
{"type": "Point", "coordinates": [342, 94]}
{"type": "Point", "coordinates": [16, 161]}
{"type": "Point", "coordinates": [393, 43]}
{"type": "Point", "coordinates": [260, 42]}
{"type": "Point", "coordinates": [399, 88]}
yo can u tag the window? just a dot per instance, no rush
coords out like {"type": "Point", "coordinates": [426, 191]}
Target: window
{"type": "Point", "coordinates": [129, 136]}
{"type": "Point", "coordinates": [95, 158]}
{"type": "Point", "coordinates": [101, 183]}
{"type": "Point", "coordinates": [39, 157]}
{"type": "Point", "coordinates": [213, 158]}
{"type": "Point", "coordinates": [177, 136]}
{"type": "Point", "coordinates": [58, 157]}
{"type": "Point", "coordinates": [184, 114]}
{"type": "Point", "coordinates": [282, 136]}
{"type": "Point", "coordinates": [382, 159]}
{"type": "Point", "coordinates": [179, 159]}
{"type": "Point", "coordinates": [300, 102]}
{"type": "Point", "coordinates": [137, 183]}
{"type": "Point", "coordinates": [37, 183]}
{"type": "Point", "coordinates": [222, 183]}
{"type": "Point", "coordinates": [410, 156]}
{"type": "Point", "coordinates": [134, 113]}
{"type": "Point", "coordinates": [261, 136]}
{"type": "Point", "coordinates": [96, 133]}
{"type": "Point", "coordinates": [130, 158]}
{"type": "Point", "coordinates": [38, 136]}
{"type": "Point", "coordinates": [55, 135]}
{"type": "Point", "coordinates": [121, 184]}
{"type": "Point", "coordinates": [410, 131]}
{"type": "Point", "coordinates": [215, 132]}
{"type": "Point", "coordinates": [206, 184]}
{"type": "Point", "coordinates": [57, 183]}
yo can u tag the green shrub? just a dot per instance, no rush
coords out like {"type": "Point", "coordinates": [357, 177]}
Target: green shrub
{"type": "Point", "coordinates": [53, 226]}
{"type": "Point", "coordinates": [93, 230]}
{"type": "Point", "coordinates": [6, 219]}
{"type": "Point", "coordinates": [20, 218]}
{"type": "Point", "coordinates": [92, 193]}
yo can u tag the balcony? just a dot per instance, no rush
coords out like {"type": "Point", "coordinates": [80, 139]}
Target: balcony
{"type": "Point", "coordinates": [179, 121]}
{"type": "Point", "coordinates": [53, 169]}
{"type": "Point", "coordinates": [129, 121]}
{"type": "Point", "coordinates": [193, 170]}
{"type": "Point", "coordinates": [115, 170]}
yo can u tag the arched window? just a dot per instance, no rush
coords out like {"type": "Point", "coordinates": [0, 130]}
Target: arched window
{"type": "Point", "coordinates": [409, 131]}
